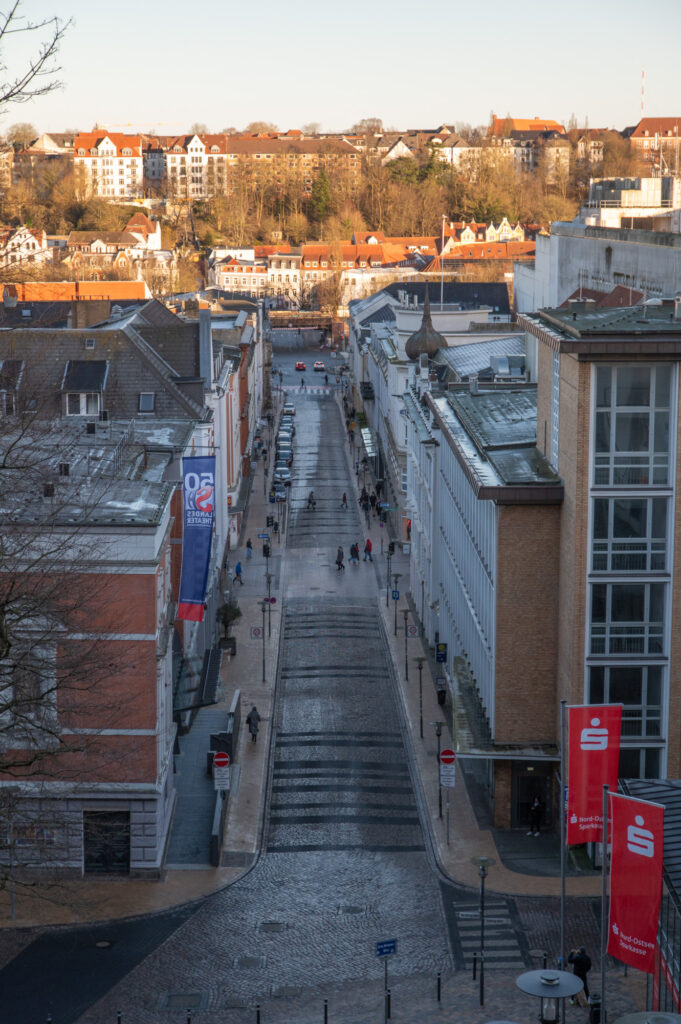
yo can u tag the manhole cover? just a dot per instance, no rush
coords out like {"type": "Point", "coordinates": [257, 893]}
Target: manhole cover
{"type": "Point", "coordinates": [284, 991]}
{"type": "Point", "coordinates": [184, 1001]}
{"type": "Point", "coordinates": [351, 910]}
{"type": "Point", "coordinates": [104, 944]}
{"type": "Point", "coordinates": [250, 961]}
{"type": "Point", "coordinates": [272, 926]}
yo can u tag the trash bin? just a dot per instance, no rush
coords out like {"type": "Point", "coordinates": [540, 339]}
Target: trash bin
{"type": "Point", "coordinates": [595, 1008]}
{"type": "Point", "coordinates": [442, 696]}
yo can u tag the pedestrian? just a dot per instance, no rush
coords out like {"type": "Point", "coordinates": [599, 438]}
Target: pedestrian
{"type": "Point", "coordinates": [581, 965]}
{"type": "Point", "coordinates": [249, 549]}
{"type": "Point", "coordinates": [379, 489]}
{"type": "Point", "coordinates": [340, 555]}
{"type": "Point", "coordinates": [367, 550]}
{"type": "Point", "coordinates": [363, 496]}
{"type": "Point", "coordinates": [344, 500]}
{"type": "Point", "coordinates": [354, 554]}
{"type": "Point", "coordinates": [237, 573]}
{"type": "Point", "coordinates": [372, 502]}
{"type": "Point", "coordinates": [535, 817]}
{"type": "Point", "coordinates": [302, 382]}
{"type": "Point", "coordinates": [326, 379]}
{"type": "Point", "coordinates": [311, 503]}
{"type": "Point", "coordinates": [252, 720]}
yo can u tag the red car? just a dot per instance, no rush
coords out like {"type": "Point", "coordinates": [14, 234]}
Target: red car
{"type": "Point", "coordinates": [301, 366]}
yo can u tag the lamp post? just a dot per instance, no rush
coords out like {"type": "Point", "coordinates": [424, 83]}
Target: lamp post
{"type": "Point", "coordinates": [482, 864]}
{"type": "Point", "coordinates": [396, 576]}
{"type": "Point", "coordinates": [405, 612]}
{"type": "Point", "coordinates": [438, 732]}
{"type": "Point", "coordinates": [268, 578]}
{"type": "Point", "coordinates": [387, 582]}
{"type": "Point", "coordinates": [419, 661]}
{"type": "Point", "coordinates": [263, 606]}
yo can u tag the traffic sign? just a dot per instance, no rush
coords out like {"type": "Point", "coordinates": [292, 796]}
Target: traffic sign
{"type": "Point", "coordinates": [386, 948]}
{"type": "Point", "coordinates": [412, 630]}
{"type": "Point", "coordinates": [448, 769]}
{"type": "Point", "coordinates": [256, 633]}
{"type": "Point", "coordinates": [270, 600]}
{"type": "Point", "coordinates": [396, 595]}
{"type": "Point", "coordinates": [220, 770]}
{"type": "Point", "coordinates": [441, 652]}
{"type": "Point", "coordinates": [263, 536]}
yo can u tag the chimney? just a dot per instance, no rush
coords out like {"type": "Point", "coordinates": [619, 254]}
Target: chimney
{"type": "Point", "coordinates": [473, 383]}
{"type": "Point", "coordinates": [205, 349]}
{"type": "Point", "coordinates": [87, 312]}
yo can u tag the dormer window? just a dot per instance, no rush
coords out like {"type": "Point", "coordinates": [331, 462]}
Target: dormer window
{"type": "Point", "coordinates": [215, 149]}
{"type": "Point", "coordinates": [127, 152]}
{"type": "Point", "coordinates": [81, 152]}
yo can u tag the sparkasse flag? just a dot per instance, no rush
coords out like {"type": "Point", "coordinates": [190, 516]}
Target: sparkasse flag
{"type": "Point", "coordinates": [637, 838]}
{"type": "Point", "coordinates": [594, 754]}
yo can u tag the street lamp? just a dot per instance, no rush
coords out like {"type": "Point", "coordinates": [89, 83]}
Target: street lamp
{"type": "Point", "coordinates": [405, 612]}
{"type": "Point", "coordinates": [482, 863]}
{"type": "Point", "coordinates": [263, 607]}
{"type": "Point", "coordinates": [438, 732]}
{"type": "Point", "coordinates": [396, 576]}
{"type": "Point", "coordinates": [419, 661]}
{"type": "Point", "coordinates": [268, 578]}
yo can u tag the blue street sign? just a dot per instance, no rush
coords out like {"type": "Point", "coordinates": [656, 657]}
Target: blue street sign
{"type": "Point", "coordinates": [386, 948]}
{"type": "Point", "coordinates": [441, 653]}
{"type": "Point", "coordinates": [396, 595]}
{"type": "Point", "coordinates": [263, 536]}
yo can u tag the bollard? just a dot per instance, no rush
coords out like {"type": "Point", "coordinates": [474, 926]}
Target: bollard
{"type": "Point", "coordinates": [439, 987]}
{"type": "Point", "coordinates": [189, 1017]}
{"type": "Point", "coordinates": [475, 965]}
{"type": "Point", "coordinates": [545, 961]}
{"type": "Point", "coordinates": [119, 1018]}
{"type": "Point", "coordinates": [387, 1005]}
{"type": "Point", "coordinates": [257, 1013]}
{"type": "Point", "coordinates": [326, 1011]}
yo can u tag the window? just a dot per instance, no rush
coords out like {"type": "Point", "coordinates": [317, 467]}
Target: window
{"type": "Point", "coordinates": [82, 404]}
{"type": "Point", "coordinates": [27, 691]}
{"type": "Point", "coordinates": [638, 688]}
{"type": "Point", "coordinates": [146, 403]}
{"type": "Point", "coordinates": [632, 426]}
{"type": "Point", "coordinates": [629, 534]}
{"type": "Point", "coordinates": [627, 618]}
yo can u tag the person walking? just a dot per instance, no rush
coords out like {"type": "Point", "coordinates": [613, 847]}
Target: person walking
{"type": "Point", "coordinates": [237, 573]}
{"type": "Point", "coordinates": [363, 496]}
{"type": "Point", "coordinates": [311, 503]}
{"type": "Point", "coordinates": [302, 382]}
{"type": "Point", "coordinates": [372, 502]}
{"type": "Point", "coordinates": [249, 549]}
{"type": "Point", "coordinates": [344, 500]}
{"type": "Point", "coordinates": [340, 555]}
{"type": "Point", "coordinates": [253, 721]}
{"type": "Point", "coordinates": [354, 554]}
{"type": "Point", "coordinates": [535, 817]}
{"type": "Point", "coordinates": [581, 965]}
{"type": "Point", "coordinates": [367, 550]}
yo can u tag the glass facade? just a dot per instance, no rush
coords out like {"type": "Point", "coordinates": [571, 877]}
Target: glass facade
{"type": "Point", "coordinates": [630, 555]}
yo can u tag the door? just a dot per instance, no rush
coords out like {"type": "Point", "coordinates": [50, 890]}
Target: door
{"type": "Point", "coordinates": [106, 842]}
{"type": "Point", "coordinates": [530, 780]}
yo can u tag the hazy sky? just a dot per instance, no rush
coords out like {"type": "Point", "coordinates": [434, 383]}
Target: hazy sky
{"type": "Point", "coordinates": [144, 64]}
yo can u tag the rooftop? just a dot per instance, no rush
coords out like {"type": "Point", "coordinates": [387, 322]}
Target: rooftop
{"type": "Point", "coordinates": [655, 317]}
{"type": "Point", "coordinates": [114, 476]}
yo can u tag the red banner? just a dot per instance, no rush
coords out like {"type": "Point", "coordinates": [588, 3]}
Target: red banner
{"type": "Point", "coordinates": [637, 839]}
{"type": "Point", "coordinates": [594, 754]}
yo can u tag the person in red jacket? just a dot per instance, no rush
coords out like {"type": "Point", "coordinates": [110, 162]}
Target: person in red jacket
{"type": "Point", "coordinates": [367, 550]}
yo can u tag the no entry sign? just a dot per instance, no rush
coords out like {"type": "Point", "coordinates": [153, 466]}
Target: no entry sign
{"type": "Point", "coordinates": [448, 768]}
{"type": "Point", "coordinates": [221, 770]}
{"type": "Point", "coordinates": [221, 760]}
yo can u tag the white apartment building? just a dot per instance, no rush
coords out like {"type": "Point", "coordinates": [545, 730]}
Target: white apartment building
{"type": "Point", "coordinates": [109, 164]}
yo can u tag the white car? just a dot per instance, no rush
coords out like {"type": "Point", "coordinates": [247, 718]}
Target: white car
{"type": "Point", "coordinates": [282, 476]}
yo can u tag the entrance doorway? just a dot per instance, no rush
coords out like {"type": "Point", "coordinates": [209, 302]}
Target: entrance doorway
{"type": "Point", "coordinates": [529, 780]}
{"type": "Point", "coordinates": [106, 842]}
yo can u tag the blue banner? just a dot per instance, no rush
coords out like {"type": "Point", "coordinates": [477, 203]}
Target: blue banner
{"type": "Point", "coordinates": [198, 475]}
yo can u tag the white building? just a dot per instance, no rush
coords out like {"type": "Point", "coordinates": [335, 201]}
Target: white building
{"type": "Point", "coordinates": [109, 164]}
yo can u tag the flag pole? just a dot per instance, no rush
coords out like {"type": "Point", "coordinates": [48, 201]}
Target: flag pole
{"type": "Point", "coordinates": [604, 890]}
{"type": "Point", "coordinates": [561, 805]}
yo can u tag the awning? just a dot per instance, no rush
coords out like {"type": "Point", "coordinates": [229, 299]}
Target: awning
{"type": "Point", "coordinates": [471, 733]}
{"type": "Point", "coordinates": [369, 443]}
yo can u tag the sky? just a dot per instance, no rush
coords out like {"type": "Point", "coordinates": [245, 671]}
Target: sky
{"type": "Point", "coordinates": [147, 65]}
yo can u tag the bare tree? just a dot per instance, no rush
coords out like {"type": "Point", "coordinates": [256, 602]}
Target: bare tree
{"type": "Point", "coordinates": [21, 135]}
{"type": "Point", "coordinates": [38, 77]}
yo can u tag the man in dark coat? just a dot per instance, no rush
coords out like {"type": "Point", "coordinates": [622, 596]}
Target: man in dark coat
{"type": "Point", "coordinates": [253, 720]}
{"type": "Point", "coordinates": [581, 965]}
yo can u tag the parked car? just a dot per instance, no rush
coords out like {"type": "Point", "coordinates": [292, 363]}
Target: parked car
{"type": "Point", "coordinates": [279, 492]}
{"type": "Point", "coordinates": [282, 476]}
{"type": "Point", "coordinates": [301, 366]}
{"type": "Point", "coordinates": [285, 454]}
{"type": "Point", "coordinates": [289, 409]}
{"type": "Point", "coordinates": [283, 436]}
{"type": "Point", "coordinates": [287, 424]}
{"type": "Point", "coordinates": [319, 367]}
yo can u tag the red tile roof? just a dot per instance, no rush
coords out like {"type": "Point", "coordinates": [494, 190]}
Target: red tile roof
{"type": "Point", "coordinates": [524, 124]}
{"type": "Point", "coordinates": [651, 126]}
{"type": "Point", "coordinates": [90, 140]}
